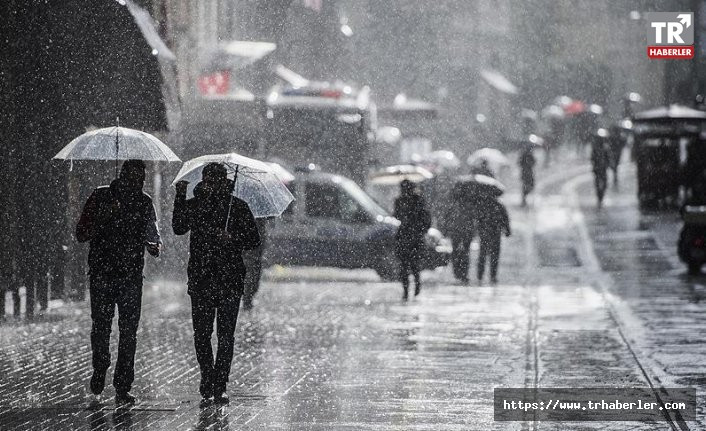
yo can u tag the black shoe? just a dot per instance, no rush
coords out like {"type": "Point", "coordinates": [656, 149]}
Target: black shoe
{"type": "Point", "coordinates": [97, 382]}
{"type": "Point", "coordinates": [417, 290]}
{"type": "Point", "coordinates": [493, 280]}
{"type": "Point", "coordinates": [124, 399]}
{"type": "Point", "coordinates": [221, 399]}
{"type": "Point", "coordinates": [205, 402]}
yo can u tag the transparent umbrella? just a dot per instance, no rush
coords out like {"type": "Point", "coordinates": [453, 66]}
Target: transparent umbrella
{"type": "Point", "coordinates": [117, 143]}
{"type": "Point", "coordinates": [256, 182]}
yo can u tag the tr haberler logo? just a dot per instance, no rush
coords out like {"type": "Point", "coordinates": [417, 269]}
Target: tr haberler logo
{"type": "Point", "coordinates": [671, 35]}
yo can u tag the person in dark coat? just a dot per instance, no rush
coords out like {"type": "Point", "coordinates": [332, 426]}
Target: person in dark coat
{"type": "Point", "coordinates": [600, 161]}
{"type": "Point", "coordinates": [221, 227]}
{"type": "Point", "coordinates": [491, 221]}
{"type": "Point", "coordinates": [460, 227]}
{"type": "Point", "coordinates": [616, 143]}
{"type": "Point", "coordinates": [415, 220]}
{"type": "Point", "coordinates": [120, 222]}
{"type": "Point", "coordinates": [527, 162]}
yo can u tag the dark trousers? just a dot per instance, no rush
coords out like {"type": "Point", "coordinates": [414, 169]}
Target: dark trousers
{"type": "Point", "coordinates": [205, 308]}
{"type": "Point", "coordinates": [489, 248]}
{"type": "Point", "coordinates": [409, 253]}
{"type": "Point", "coordinates": [460, 257]}
{"type": "Point", "coordinates": [106, 294]}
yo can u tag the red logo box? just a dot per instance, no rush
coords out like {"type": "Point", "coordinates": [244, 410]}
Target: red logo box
{"type": "Point", "coordinates": [670, 52]}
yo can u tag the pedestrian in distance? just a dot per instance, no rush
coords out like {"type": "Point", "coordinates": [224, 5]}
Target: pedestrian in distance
{"type": "Point", "coordinates": [600, 161]}
{"type": "Point", "coordinates": [221, 227]}
{"type": "Point", "coordinates": [616, 143]}
{"type": "Point", "coordinates": [410, 209]}
{"type": "Point", "coordinates": [527, 162]}
{"type": "Point", "coordinates": [120, 222]}
{"type": "Point", "coordinates": [253, 264]}
{"type": "Point", "coordinates": [491, 221]}
{"type": "Point", "coordinates": [460, 227]}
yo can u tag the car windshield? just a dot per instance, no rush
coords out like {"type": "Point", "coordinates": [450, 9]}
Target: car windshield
{"type": "Point", "coordinates": [363, 198]}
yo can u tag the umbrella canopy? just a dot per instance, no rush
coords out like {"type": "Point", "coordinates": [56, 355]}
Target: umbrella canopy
{"type": "Point", "coordinates": [669, 113]}
{"type": "Point", "coordinates": [256, 183]}
{"type": "Point", "coordinates": [474, 185]}
{"type": "Point", "coordinates": [117, 143]}
{"type": "Point", "coordinates": [493, 156]}
{"type": "Point", "coordinates": [394, 175]}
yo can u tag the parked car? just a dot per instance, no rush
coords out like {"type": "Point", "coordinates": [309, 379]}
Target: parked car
{"type": "Point", "coordinates": [333, 222]}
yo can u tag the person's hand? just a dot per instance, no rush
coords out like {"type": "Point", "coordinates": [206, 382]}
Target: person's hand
{"type": "Point", "coordinates": [181, 187]}
{"type": "Point", "coordinates": [154, 248]}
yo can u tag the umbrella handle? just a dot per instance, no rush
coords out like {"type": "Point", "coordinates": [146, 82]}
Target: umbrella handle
{"type": "Point", "coordinates": [230, 203]}
{"type": "Point", "coordinates": [117, 145]}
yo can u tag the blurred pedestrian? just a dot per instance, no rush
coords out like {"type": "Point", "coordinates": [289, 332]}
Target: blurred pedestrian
{"type": "Point", "coordinates": [415, 220]}
{"type": "Point", "coordinates": [527, 162]}
{"type": "Point", "coordinates": [616, 143]}
{"type": "Point", "coordinates": [120, 222]}
{"type": "Point", "coordinates": [459, 226]}
{"type": "Point", "coordinates": [221, 227]}
{"type": "Point", "coordinates": [491, 221]}
{"type": "Point", "coordinates": [253, 264]}
{"type": "Point", "coordinates": [600, 161]}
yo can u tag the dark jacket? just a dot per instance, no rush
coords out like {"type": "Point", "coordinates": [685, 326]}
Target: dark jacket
{"type": "Point", "coordinates": [118, 220]}
{"type": "Point", "coordinates": [414, 218]}
{"type": "Point", "coordinates": [492, 218]}
{"type": "Point", "coordinates": [214, 260]}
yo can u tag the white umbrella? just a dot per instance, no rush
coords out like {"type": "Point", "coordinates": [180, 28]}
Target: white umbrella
{"type": "Point", "coordinates": [117, 143]}
{"type": "Point", "coordinates": [394, 175]}
{"type": "Point", "coordinates": [493, 156]}
{"type": "Point", "coordinates": [256, 182]}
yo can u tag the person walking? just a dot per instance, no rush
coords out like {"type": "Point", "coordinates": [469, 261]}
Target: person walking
{"type": "Point", "coordinates": [491, 221]}
{"type": "Point", "coordinates": [120, 222]}
{"type": "Point", "coordinates": [415, 220]}
{"type": "Point", "coordinates": [616, 143]}
{"type": "Point", "coordinates": [221, 227]}
{"type": "Point", "coordinates": [460, 227]}
{"type": "Point", "coordinates": [527, 162]}
{"type": "Point", "coordinates": [600, 161]}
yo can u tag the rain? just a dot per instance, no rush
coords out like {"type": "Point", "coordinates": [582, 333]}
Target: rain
{"type": "Point", "coordinates": [352, 214]}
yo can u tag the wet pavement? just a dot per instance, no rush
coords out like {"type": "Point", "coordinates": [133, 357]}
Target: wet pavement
{"type": "Point", "coordinates": [586, 298]}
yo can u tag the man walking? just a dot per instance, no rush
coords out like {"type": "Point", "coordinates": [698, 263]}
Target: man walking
{"type": "Point", "coordinates": [527, 162]}
{"type": "Point", "coordinates": [460, 227]}
{"type": "Point", "coordinates": [221, 227]}
{"type": "Point", "coordinates": [600, 161]}
{"type": "Point", "coordinates": [492, 220]}
{"type": "Point", "coordinates": [415, 220]}
{"type": "Point", "coordinates": [120, 222]}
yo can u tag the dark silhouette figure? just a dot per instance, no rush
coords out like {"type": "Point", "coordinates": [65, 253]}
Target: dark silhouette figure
{"type": "Point", "coordinates": [253, 263]}
{"type": "Point", "coordinates": [527, 162]}
{"type": "Point", "coordinates": [221, 227]}
{"type": "Point", "coordinates": [600, 160]}
{"type": "Point", "coordinates": [415, 220]}
{"type": "Point", "coordinates": [616, 143]}
{"type": "Point", "coordinates": [120, 222]}
{"type": "Point", "coordinates": [460, 227]}
{"type": "Point", "coordinates": [491, 221]}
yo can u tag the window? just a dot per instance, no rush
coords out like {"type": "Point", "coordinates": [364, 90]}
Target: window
{"type": "Point", "coordinates": [322, 200]}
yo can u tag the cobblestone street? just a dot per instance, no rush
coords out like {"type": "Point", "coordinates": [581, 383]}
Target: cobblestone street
{"type": "Point", "coordinates": [585, 298]}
